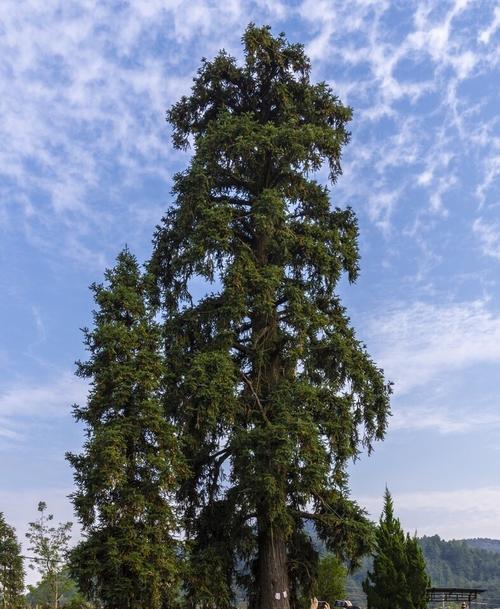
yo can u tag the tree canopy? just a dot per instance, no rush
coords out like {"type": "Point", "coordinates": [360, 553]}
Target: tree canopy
{"type": "Point", "coordinates": [49, 545]}
{"type": "Point", "coordinates": [11, 567]}
{"type": "Point", "coordinates": [269, 388]}
{"type": "Point", "coordinates": [125, 475]}
{"type": "Point", "coordinates": [331, 580]}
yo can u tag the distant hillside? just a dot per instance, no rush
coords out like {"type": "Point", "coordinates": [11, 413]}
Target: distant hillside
{"type": "Point", "coordinates": [484, 543]}
{"type": "Point", "coordinates": [459, 563]}
{"type": "Point", "coordinates": [470, 563]}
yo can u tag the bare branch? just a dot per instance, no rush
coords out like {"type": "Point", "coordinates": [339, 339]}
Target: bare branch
{"type": "Point", "coordinates": [248, 383]}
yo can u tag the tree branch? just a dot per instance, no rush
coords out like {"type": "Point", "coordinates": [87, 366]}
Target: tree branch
{"type": "Point", "coordinates": [309, 516]}
{"type": "Point", "coordinates": [241, 348]}
{"type": "Point", "coordinates": [248, 383]}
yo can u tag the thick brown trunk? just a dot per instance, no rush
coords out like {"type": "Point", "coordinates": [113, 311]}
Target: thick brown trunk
{"type": "Point", "coordinates": [271, 578]}
{"type": "Point", "coordinates": [272, 585]}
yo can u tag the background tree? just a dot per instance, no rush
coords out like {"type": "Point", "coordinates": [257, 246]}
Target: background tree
{"type": "Point", "coordinates": [330, 581]}
{"type": "Point", "coordinates": [398, 579]}
{"type": "Point", "coordinates": [124, 475]}
{"type": "Point", "coordinates": [11, 568]}
{"type": "Point", "coordinates": [418, 580]}
{"type": "Point", "coordinates": [48, 547]}
{"type": "Point", "coordinates": [41, 594]}
{"type": "Point", "coordinates": [269, 387]}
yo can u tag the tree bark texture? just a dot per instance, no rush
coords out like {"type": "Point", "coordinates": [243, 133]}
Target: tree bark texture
{"type": "Point", "coordinates": [272, 584]}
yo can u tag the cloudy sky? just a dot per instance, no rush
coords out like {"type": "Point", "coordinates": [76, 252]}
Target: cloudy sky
{"type": "Point", "coordinates": [86, 166]}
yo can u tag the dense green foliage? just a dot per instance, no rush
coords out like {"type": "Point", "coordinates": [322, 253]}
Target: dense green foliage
{"type": "Point", "coordinates": [462, 563]}
{"type": "Point", "coordinates": [11, 567]}
{"type": "Point", "coordinates": [128, 558]}
{"type": "Point", "coordinates": [484, 543]}
{"type": "Point", "coordinates": [269, 388]}
{"type": "Point", "coordinates": [473, 563]}
{"type": "Point", "coordinates": [69, 596]}
{"type": "Point", "coordinates": [417, 578]}
{"type": "Point", "coordinates": [398, 578]}
{"type": "Point", "coordinates": [331, 580]}
{"type": "Point", "coordinates": [48, 547]}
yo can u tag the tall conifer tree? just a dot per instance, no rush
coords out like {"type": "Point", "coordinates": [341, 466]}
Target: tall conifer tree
{"type": "Point", "coordinates": [11, 568]}
{"type": "Point", "coordinates": [126, 472]}
{"type": "Point", "coordinates": [270, 389]}
{"type": "Point", "coordinates": [398, 579]}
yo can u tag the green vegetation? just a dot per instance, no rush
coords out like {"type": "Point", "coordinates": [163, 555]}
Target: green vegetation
{"type": "Point", "coordinates": [397, 579]}
{"type": "Point", "coordinates": [228, 389]}
{"type": "Point", "coordinates": [449, 563]}
{"type": "Point", "coordinates": [461, 563]}
{"type": "Point", "coordinates": [270, 390]}
{"type": "Point", "coordinates": [484, 543]}
{"type": "Point", "coordinates": [331, 580]}
{"type": "Point", "coordinates": [69, 596]}
{"type": "Point", "coordinates": [11, 567]}
{"type": "Point", "coordinates": [48, 547]}
{"type": "Point", "coordinates": [128, 558]}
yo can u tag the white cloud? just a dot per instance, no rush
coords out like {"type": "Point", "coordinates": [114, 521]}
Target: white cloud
{"type": "Point", "coordinates": [419, 342]}
{"type": "Point", "coordinates": [85, 87]}
{"type": "Point", "coordinates": [486, 34]}
{"type": "Point", "coordinates": [489, 237]}
{"type": "Point", "coordinates": [452, 514]}
{"type": "Point", "coordinates": [491, 173]}
{"type": "Point", "coordinates": [6, 431]}
{"type": "Point", "coordinates": [42, 399]}
{"type": "Point", "coordinates": [382, 205]}
{"type": "Point", "coordinates": [25, 401]}
{"type": "Point", "coordinates": [358, 35]}
{"type": "Point", "coordinates": [443, 420]}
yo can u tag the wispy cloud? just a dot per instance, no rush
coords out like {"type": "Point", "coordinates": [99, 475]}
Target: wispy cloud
{"type": "Point", "coordinates": [486, 34]}
{"type": "Point", "coordinates": [415, 115]}
{"type": "Point", "coordinates": [488, 234]}
{"type": "Point", "coordinates": [25, 401]}
{"type": "Point", "coordinates": [453, 514]}
{"type": "Point", "coordinates": [443, 419]}
{"type": "Point", "coordinates": [418, 342]}
{"type": "Point", "coordinates": [85, 88]}
{"type": "Point", "coordinates": [491, 176]}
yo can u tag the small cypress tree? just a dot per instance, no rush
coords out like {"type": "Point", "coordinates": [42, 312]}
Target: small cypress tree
{"type": "Point", "coordinates": [129, 557]}
{"type": "Point", "coordinates": [417, 579]}
{"type": "Point", "coordinates": [398, 579]}
{"type": "Point", "coordinates": [11, 568]}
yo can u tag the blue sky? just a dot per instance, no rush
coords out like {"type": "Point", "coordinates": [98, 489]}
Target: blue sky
{"type": "Point", "coordinates": [86, 166]}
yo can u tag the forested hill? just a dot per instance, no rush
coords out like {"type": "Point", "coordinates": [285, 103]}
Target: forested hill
{"type": "Point", "coordinates": [484, 543]}
{"type": "Point", "coordinates": [461, 563]}
{"type": "Point", "coordinates": [471, 563]}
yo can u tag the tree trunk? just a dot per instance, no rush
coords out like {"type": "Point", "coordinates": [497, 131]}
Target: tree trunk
{"type": "Point", "coordinates": [272, 585]}
{"type": "Point", "coordinates": [271, 579]}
